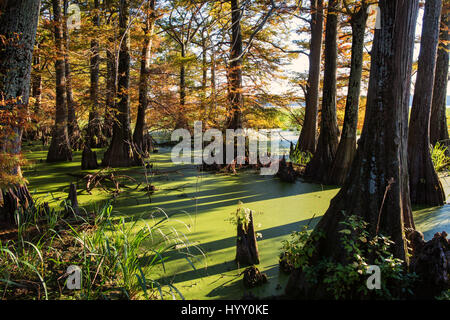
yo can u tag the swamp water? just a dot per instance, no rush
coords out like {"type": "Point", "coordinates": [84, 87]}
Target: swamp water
{"type": "Point", "coordinates": [204, 202]}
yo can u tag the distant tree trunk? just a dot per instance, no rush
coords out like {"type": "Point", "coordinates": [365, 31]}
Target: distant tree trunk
{"type": "Point", "coordinates": [234, 112]}
{"type": "Point", "coordinates": [377, 187]}
{"type": "Point", "coordinates": [181, 120]}
{"type": "Point", "coordinates": [111, 84]}
{"type": "Point", "coordinates": [94, 138]}
{"type": "Point", "coordinates": [319, 167]}
{"type": "Point", "coordinates": [36, 90]}
{"type": "Point", "coordinates": [119, 153]}
{"type": "Point", "coordinates": [72, 123]}
{"type": "Point", "coordinates": [110, 92]}
{"type": "Point", "coordinates": [347, 145]}
{"type": "Point", "coordinates": [424, 185]}
{"type": "Point", "coordinates": [18, 24]}
{"type": "Point", "coordinates": [308, 135]}
{"type": "Point", "coordinates": [213, 96]}
{"type": "Point", "coordinates": [204, 77]}
{"type": "Point", "coordinates": [438, 123]}
{"type": "Point", "coordinates": [36, 87]}
{"type": "Point", "coordinates": [140, 144]}
{"type": "Point", "coordinates": [59, 149]}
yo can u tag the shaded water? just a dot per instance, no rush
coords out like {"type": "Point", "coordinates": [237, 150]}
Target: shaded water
{"type": "Point", "coordinates": [209, 199]}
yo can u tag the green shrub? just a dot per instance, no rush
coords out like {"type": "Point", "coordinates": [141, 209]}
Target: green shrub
{"type": "Point", "coordinates": [348, 280]}
{"type": "Point", "coordinates": [439, 157]}
{"type": "Point", "coordinates": [299, 157]}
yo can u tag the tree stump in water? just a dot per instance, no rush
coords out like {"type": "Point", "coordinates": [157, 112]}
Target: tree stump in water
{"type": "Point", "coordinates": [246, 245]}
{"type": "Point", "coordinates": [13, 199]}
{"type": "Point", "coordinates": [253, 277]}
{"type": "Point", "coordinates": [88, 159]}
{"type": "Point", "coordinates": [286, 171]}
{"type": "Point", "coordinates": [72, 200]}
{"type": "Point", "coordinates": [431, 262]}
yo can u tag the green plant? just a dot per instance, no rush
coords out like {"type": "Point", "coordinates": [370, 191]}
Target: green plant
{"type": "Point", "coordinates": [439, 156]}
{"type": "Point", "coordinates": [297, 251]}
{"type": "Point", "coordinates": [445, 295]}
{"type": "Point", "coordinates": [117, 256]}
{"type": "Point", "coordinates": [300, 157]}
{"type": "Point", "coordinates": [241, 216]}
{"type": "Point", "coordinates": [346, 278]}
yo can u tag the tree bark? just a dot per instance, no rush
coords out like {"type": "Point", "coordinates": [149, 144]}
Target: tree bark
{"type": "Point", "coordinates": [213, 93]}
{"type": "Point", "coordinates": [110, 92]}
{"type": "Point", "coordinates": [308, 136]}
{"type": "Point", "coordinates": [203, 102]}
{"type": "Point", "coordinates": [234, 112]}
{"type": "Point", "coordinates": [73, 129]}
{"type": "Point", "coordinates": [319, 167]}
{"type": "Point", "coordinates": [438, 123]}
{"type": "Point", "coordinates": [59, 149]}
{"type": "Point", "coordinates": [111, 84]}
{"type": "Point", "coordinates": [347, 145]}
{"type": "Point", "coordinates": [36, 93]}
{"type": "Point", "coordinates": [88, 159]}
{"type": "Point", "coordinates": [18, 25]}
{"type": "Point", "coordinates": [181, 120]}
{"type": "Point", "coordinates": [377, 188]}
{"type": "Point", "coordinates": [424, 185]}
{"type": "Point", "coordinates": [141, 146]}
{"type": "Point", "coordinates": [94, 138]}
{"type": "Point", "coordinates": [72, 201]}
{"type": "Point", "coordinates": [246, 244]}
{"type": "Point", "coordinates": [120, 153]}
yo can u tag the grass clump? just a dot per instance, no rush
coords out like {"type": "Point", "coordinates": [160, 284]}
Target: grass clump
{"type": "Point", "coordinates": [439, 156]}
{"type": "Point", "coordinates": [118, 257]}
{"type": "Point", "coordinates": [299, 157]}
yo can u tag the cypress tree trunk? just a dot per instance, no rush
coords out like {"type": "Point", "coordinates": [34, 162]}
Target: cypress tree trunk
{"type": "Point", "coordinates": [59, 149]}
{"type": "Point", "coordinates": [246, 243]}
{"type": "Point", "coordinates": [140, 144]}
{"type": "Point", "coordinates": [213, 94]}
{"type": "Point", "coordinates": [319, 167]}
{"type": "Point", "coordinates": [72, 124]}
{"type": "Point", "coordinates": [119, 153]}
{"type": "Point", "coordinates": [36, 90]}
{"type": "Point", "coordinates": [204, 77]}
{"type": "Point", "coordinates": [18, 24]}
{"type": "Point", "coordinates": [438, 123]}
{"type": "Point", "coordinates": [110, 92]}
{"type": "Point", "coordinates": [110, 80]}
{"type": "Point", "coordinates": [308, 135]}
{"type": "Point", "coordinates": [377, 187]}
{"type": "Point", "coordinates": [424, 185]}
{"type": "Point", "coordinates": [181, 121]}
{"type": "Point", "coordinates": [234, 112]}
{"type": "Point", "coordinates": [36, 87]}
{"type": "Point", "coordinates": [94, 138]}
{"type": "Point", "coordinates": [347, 145]}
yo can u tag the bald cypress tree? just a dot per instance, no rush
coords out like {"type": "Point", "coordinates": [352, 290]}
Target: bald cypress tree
{"type": "Point", "coordinates": [60, 149]}
{"type": "Point", "coordinates": [438, 122]}
{"type": "Point", "coordinates": [120, 153]}
{"type": "Point", "coordinates": [377, 188]}
{"type": "Point", "coordinates": [18, 24]}
{"type": "Point", "coordinates": [424, 184]}
{"type": "Point", "coordinates": [318, 168]}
